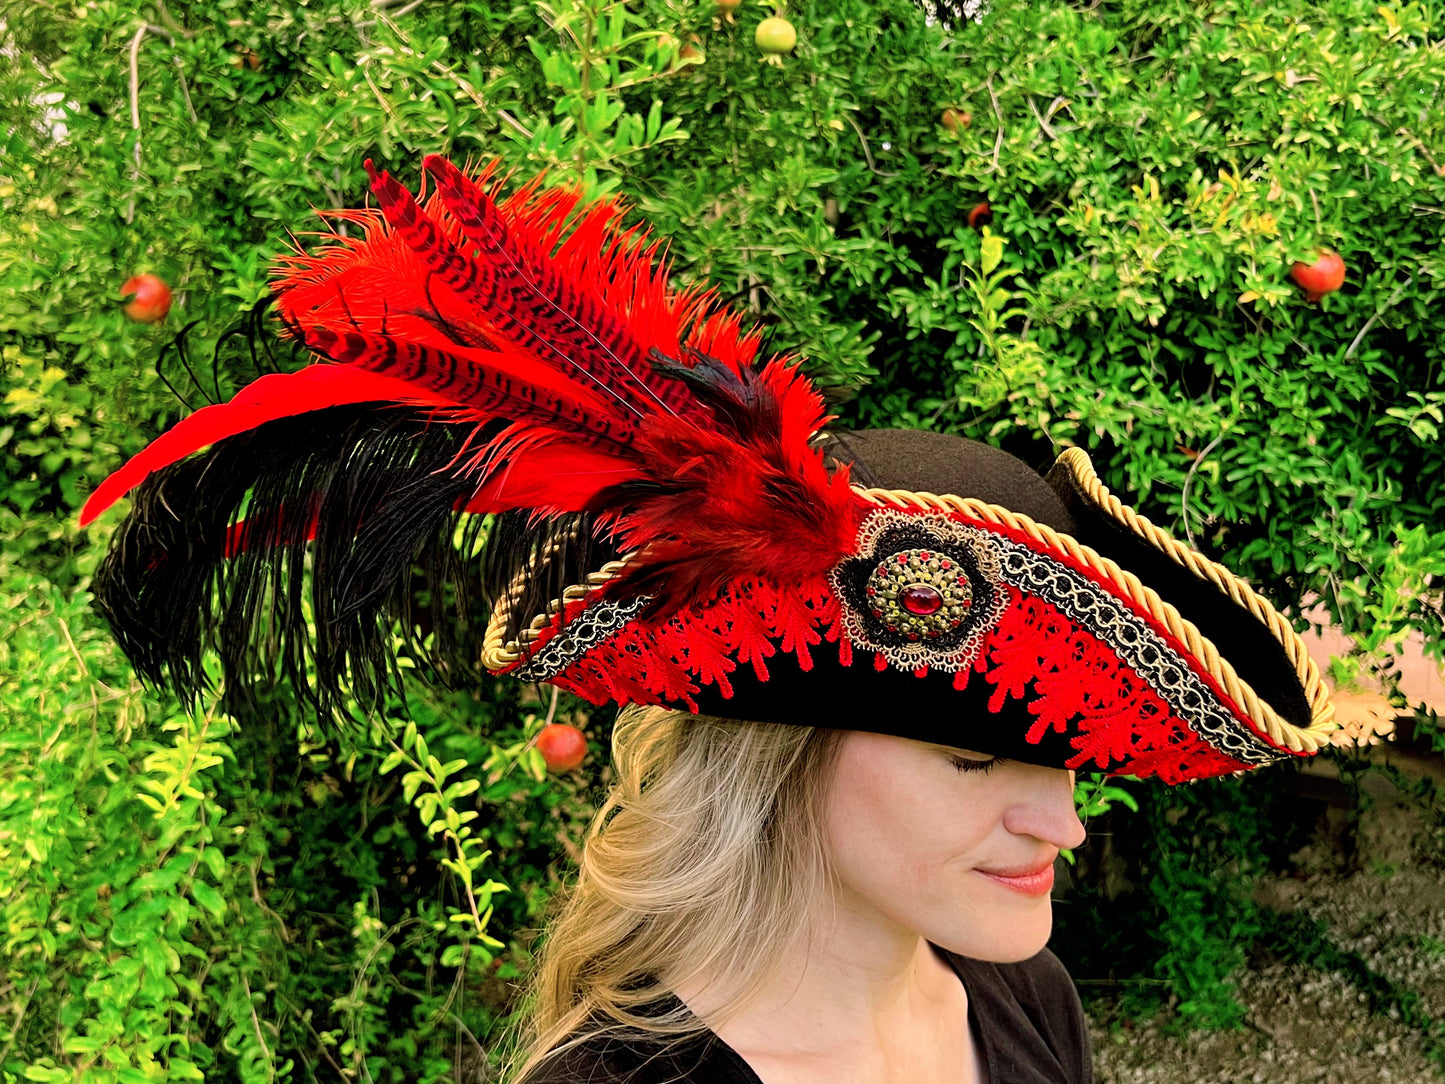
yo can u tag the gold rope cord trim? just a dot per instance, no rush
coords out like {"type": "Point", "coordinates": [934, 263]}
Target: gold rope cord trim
{"type": "Point", "coordinates": [497, 650]}
{"type": "Point", "coordinates": [1076, 461]}
{"type": "Point", "coordinates": [1279, 730]}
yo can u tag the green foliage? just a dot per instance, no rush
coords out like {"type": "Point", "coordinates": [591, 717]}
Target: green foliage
{"type": "Point", "coordinates": [292, 905]}
{"type": "Point", "coordinates": [186, 898]}
{"type": "Point", "coordinates": [1156, 172]}
{"type": "Point", "coordinates": [1182, 921]}
{"type": "Point", "coordinates": [1153, 171]}
{"type": "Point", "coordinates": [115, 876]}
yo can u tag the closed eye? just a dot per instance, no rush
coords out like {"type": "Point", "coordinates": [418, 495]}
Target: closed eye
{"type": "Point", "coordinates": [972, 764]}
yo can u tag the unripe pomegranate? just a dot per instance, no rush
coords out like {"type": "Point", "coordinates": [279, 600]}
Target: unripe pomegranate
{"type": "Point", "coordinates": [776, 36]}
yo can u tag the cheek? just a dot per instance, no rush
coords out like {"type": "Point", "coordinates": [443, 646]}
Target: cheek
{"type": "Point", "coordinates": [883, 871]}
{"type": "Point", "coordinates": [912, 840]}
{"type": "Point", "coordinates": [865, 830]}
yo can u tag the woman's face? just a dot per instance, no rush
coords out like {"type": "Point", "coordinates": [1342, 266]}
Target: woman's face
{"type": "Point", "coordinates": [958, 847]}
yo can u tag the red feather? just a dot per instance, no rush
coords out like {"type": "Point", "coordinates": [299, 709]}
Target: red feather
{"type": "Point", "coordinates": [541, 311]}
{"type": "Point", "coordinates": [279, 395]}
{"type": "Point", "coordinates": [764, 505]}
{"type": "Point", "coordinates": [554, 314]}
{"type": "Point", "coordinates": [487, 383]}
{"type": "Point", "coordinates": [550, 479]}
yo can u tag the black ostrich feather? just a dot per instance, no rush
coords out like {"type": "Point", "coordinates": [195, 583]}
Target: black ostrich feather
{"type": "Point", "coordinates": [299, 550]}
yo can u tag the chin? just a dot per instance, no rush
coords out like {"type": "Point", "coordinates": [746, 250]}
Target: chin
{"type": "Point", "coordinates": [1004, 939]}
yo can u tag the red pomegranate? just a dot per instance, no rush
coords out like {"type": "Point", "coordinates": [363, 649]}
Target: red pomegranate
{"type": "Point", "coordinates": [1324, 276]}
{"type": "Point", "coordinates": [562, 746]}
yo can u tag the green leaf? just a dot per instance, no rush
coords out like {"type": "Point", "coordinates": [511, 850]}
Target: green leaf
{"type": "Point", "coordinates": [209, 898]}
{"type": "Point", "coordinates": [992, 250]}
{"type": "Point", "coordinates": [215, 862]}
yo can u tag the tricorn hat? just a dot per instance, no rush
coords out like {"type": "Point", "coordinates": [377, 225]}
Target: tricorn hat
{"type": "Point", "coordinates": [513, 386]}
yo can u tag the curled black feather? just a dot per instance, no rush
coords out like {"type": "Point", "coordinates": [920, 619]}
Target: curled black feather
{"type": "Point", "coordinates": [737, 400]}
{"type": "Point", "coordinates": [248, 349]}
{"type": "Point", "coordinates": [298, 552]}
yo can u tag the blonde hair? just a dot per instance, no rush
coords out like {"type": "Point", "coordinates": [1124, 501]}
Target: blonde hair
{"type": "Point", "coordinates": [698, 871]}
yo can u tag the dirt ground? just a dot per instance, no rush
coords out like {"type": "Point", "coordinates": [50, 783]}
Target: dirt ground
{"type": "Point", "coordinates": [1305, 1025]}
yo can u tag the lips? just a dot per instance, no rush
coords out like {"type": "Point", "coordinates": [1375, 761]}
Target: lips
{"type": "Point", "coordinates": [1032, 881]}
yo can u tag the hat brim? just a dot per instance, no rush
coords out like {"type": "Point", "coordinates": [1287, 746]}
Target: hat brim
{"type": "Point", "coordinates": [1081, 664]}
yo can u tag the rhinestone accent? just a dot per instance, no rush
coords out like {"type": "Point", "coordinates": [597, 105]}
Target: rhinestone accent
{"type": "Point", "coordinates": [923, 592]}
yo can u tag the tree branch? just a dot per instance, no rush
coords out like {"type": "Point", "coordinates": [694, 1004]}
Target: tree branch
{"type": "Point", "coordinates": [1360, 336]}
{"type": "Point", "coordinates": [135, 43]}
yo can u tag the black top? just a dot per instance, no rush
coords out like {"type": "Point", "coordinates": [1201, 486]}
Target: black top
{"type": "Point", "coordinates": [1027, 1023]}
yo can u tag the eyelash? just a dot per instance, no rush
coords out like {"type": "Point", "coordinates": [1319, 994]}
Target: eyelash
{"type": "Point", "coordinates": [964, 764]}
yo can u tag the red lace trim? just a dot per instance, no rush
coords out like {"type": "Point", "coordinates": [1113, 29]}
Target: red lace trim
{"type": "Point", "coordinates": [1163, 633]}
{"type": "Point", "coordinates": [671, 661]}
{"type": "Point", "coordinates": [1072, 683]}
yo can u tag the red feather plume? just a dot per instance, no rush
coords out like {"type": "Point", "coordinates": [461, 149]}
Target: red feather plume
{"type": "Point", "coordinates": [589, 384]}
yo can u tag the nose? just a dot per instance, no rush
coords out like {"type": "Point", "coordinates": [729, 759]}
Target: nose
{"type": "Point", "coordinates": [1045, 808]}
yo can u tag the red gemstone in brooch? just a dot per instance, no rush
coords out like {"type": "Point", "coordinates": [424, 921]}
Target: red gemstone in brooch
{"type": "Point", "coordinates": [921, 599]}
{"type": "Point", "coordinates": [923, 591]}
